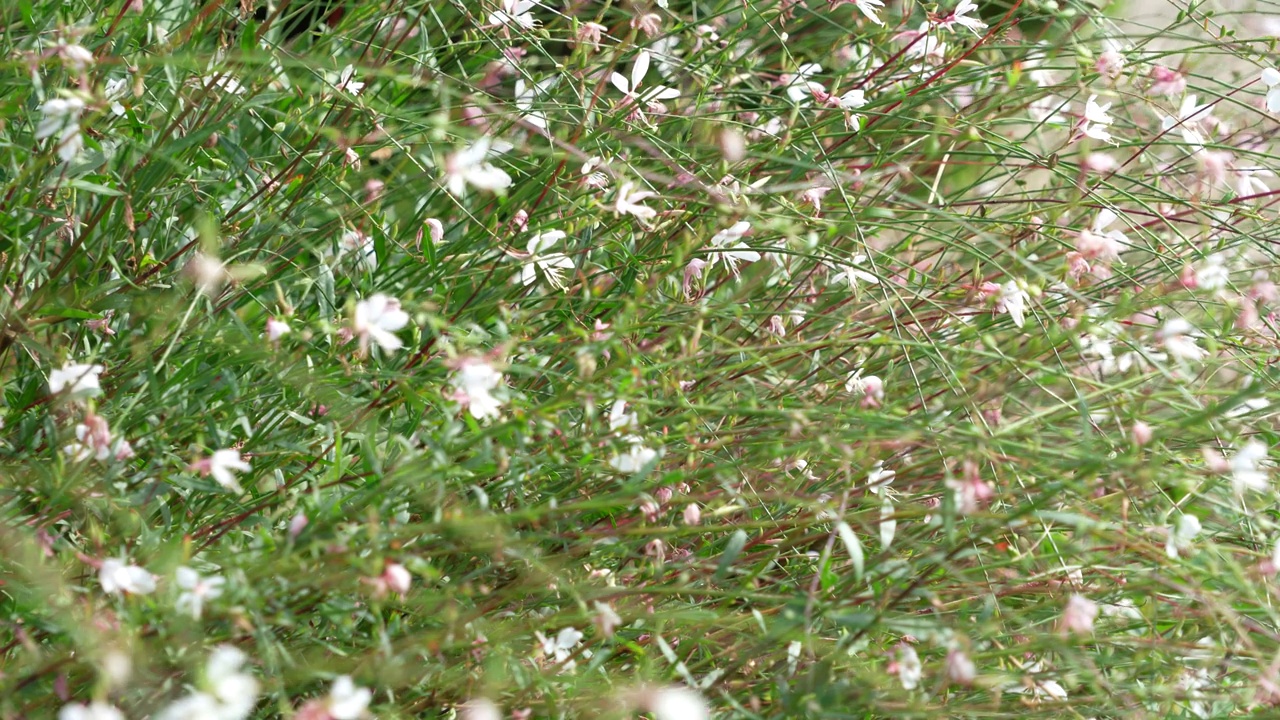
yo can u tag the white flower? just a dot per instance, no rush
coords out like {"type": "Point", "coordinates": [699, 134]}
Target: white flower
{"type": "Point", "coordinates": [636, 457]}
{"type": "Point", "coordinates": [234, 692]}
{"type": "Point", "coordinates": [1249, 467]}
{"type": "Point", "coordinates": [515, 12]}
{"type": "Point", "coordinates": [869, 387]}
{"type": "Point", "coordinates": [527, 94]}
{"type": "Point", "coordinates": [960, 16]}
{"type": "Point", "coordinates": [730, 248]}
{"type": "Point", "coordinates": [207, 273]}
{"type": "Point", "coordinates": [869, 8]}
{"type": "Point", "coordinates": [76, 56]}
{"type": "Point", "coordinates": [377, 319]}
{"type": "Point", "coordinates": [849, 102]}
{"type": "Point", "coordinates": [277, 329]}
{"type": "Point", "coordinates": [1271, 77]}
{"type": "Point", "coordinates": [606, 619]}
{"type": "Point", "coordinates": [1096, 120]}
{"type": "Point", "coordinates": [627, 202]}
{"type": "Point", "coordinates": [93, 440]}
{"type": "Point", "coordinates": [223, 466]}
{"type": "Point", "coordinates": [852, 275]}
{"type": "Point", "coordinates": [552, 265]}
{"type": "Point", "coordinates": [909, 668]}
{"type": "Point", "coordinates": [195, 590]}
{"type": "Point", "coordinates": [95, 710]}
{"type": "Point", "coordinates": [800, 88]}
{"type": "Point", "coordinates": [1213, 274]}
{"type": "Point", "coordinates": [1189, 121]}
{"type": "Point", "coordinates": [1037, 686]}
{"type": "Point", "coordinates": [622, 424]}
{"type": "Point", "coordinates": [1248, 182]}
{"type": "Point", "coordinates": [620, 419]}
{"type": "Point", "coordinates": [469, 166]}
{"type": "Point", "coordinates": [1179, 340]}
{"type": "Point", "coordinates": [475, 381]}
{"type": "Point", "coordinates": [879, 478]}
{"type": "Point", "coordinates": [347, 80]}
{"type": "Point", "coordinates": [480, 709]}
{"type": "Point", "coordinates": [1099, 243]}
{"type": "Point", "coordinates": [223, 82]}
{"type": "Point", "coordinates": [560, 648]}
{"type": "Point", "coordinates": [61, 116]}
{"type": "Point", "coordinates": [115, 89]}
{"type": "Point", "coordinates": [928, 46]}
{"type": "Point", "coordinates": [1013, 300]}
{"type": "Point", "coordinates": [631, 88]}
{"type": "Point", "coordinates": [346, 701]}
{"type": "Point", "coordinates": [77, 380]}
{"type": "Point", "coordinates": [360, 244]}
{"type": "Point", "coordinates": [1181, 534]}
{"type": "Point", "coordinates": [116, 576]}
{"type": "Point", "coordinates": [676, 703]}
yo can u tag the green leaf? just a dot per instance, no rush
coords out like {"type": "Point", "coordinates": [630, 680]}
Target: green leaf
{"type": "Point", "coordinates": [854, 546]}
{"type": "Point", "coordinates": [731, 553]}
{"type": "Point", "coordinates": [95, 188]}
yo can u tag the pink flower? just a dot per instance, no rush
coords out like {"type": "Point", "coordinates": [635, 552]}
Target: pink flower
{"type": "Point", "coordinates": [589, 33]}
{"type": "Point", "coordinates": [397, 578]}
{"type": "Point", "coordinates": [1079, 615]}
{"type": "Point", "coordinates": [692, 514]}
{"type": "Point", "coordinates": [1167, 82]}
{"type": "Point", "coordinates": [960, 669]}
{"type": "Point", "coordinates": [277, 329]}
{"type": "Point", "coordinates": [1142, 433]}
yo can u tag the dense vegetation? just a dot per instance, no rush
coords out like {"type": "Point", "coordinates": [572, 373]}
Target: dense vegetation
{"type": "Point", "coordinates": [756, 359]}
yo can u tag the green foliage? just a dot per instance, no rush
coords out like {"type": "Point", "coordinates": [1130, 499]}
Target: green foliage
{"type": "Point", "coordinates": [790, 459]}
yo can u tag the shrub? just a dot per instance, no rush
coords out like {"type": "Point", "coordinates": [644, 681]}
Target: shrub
{"type": "Point", "coordinates": [762, 359]}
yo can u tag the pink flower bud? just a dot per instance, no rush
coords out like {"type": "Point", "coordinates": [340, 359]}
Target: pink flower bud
{"type": "Point", "coordinates": [960, 669]}
{"type": "Point", "coordinates": [397, 578]}
{"type": "Point", "coordinates": [1142, 433]}
{"type": "Point", "coordinates": [296, 525]}
{"type": "Point", "coordinates": [590, 33]}
{"type": "Point", "coordinates": [436, 228]}
{"type": "Point", "coordinates": [692, 514]}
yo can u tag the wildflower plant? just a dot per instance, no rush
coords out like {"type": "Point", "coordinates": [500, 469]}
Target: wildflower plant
{"type": "Point", "coordinates": [764, 359]}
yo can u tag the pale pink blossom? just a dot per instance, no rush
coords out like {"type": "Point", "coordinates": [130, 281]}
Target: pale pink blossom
{"type": "Point", "coordinates": [277, 329]}
{"type": "Point", "coordinates": [1079, 615]}
{"type": "Point", "coordinates": [961, 670]}
{"type": "Point", "coordinates": [627, 202]}
{"type": "Point", "coordinates": [961, 16]}
{"type": "Point", "coordinates": [397, 578]}
{"type": "Point", "coordinates": [377, 319]}
{"type": "Point", "coordinates": [1167, 82]}
{"type": "Point", "coordinates": [223, 466]}
{"type": "Point", "coordinates": [77, 380]}
{"type": "Point", "coordinates": [196, 589]}
{"type": "Point", "coordinates": [474, 383]}
{"type": "Point", "coordinates": [118, 576]}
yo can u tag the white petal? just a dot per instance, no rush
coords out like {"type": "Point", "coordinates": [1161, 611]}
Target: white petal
{"type": "Point", "coordinates": [621, 83]}
{"type": "Point", "coordinates": [639, 69]}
